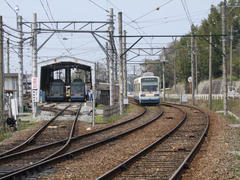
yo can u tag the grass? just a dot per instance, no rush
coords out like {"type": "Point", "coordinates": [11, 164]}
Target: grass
{"type": "Point", "coordinates": [100, 106]}
{"type": "Point", "coordinates": [26, 125]}
{"type": "Point", "coordinates": [232, 119]}
{"type": "Point", "coordinates": [7, 132]}
{"type": "Point", "coordinates": [238, 156]}
{"type": "Point", "coordinates": [99, 119]}
{"type": "Point", "coordinates": [217, 105]}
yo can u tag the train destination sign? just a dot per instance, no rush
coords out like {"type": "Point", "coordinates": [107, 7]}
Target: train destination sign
{"type": "Point", "coordinates": [149, 79]}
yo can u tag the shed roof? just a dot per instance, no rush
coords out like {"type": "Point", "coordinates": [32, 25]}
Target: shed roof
{"type": "Point", "coordinates": [66, 61]}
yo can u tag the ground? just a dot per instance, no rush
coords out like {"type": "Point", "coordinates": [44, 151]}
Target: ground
{"type": "Point", "coordinates": [217, 158]}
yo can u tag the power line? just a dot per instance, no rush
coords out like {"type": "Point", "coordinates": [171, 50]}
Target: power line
{"type": "Point", "coordinates": [196, 13]}
{"type": "Point", "coordinates": [49, 10]}
{"type": "Point", "coordinates": [187, 12]}
{"type": "Point", "coordinates": [52, 24]}
{"type": "Point", "coordinates": [45, 10]}
{"type": "Point", "coordinates": [156, 9]}
{"type": "Point", "coordinates": [11, 7]}
{"type": "Point", "coordinates": [9, 27]}
{"type": "Point", "coordinates": [10, 34]}
{"type": "Point", "coordinates": [127, 23]}
{"type": "Point", "coordinates": [99, 6]}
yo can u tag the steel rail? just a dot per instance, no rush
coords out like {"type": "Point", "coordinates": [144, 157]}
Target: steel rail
{"type": "Point", "coordinates": [184, 164]}
{"type": "Point", "coordinates": [115, 170]}
{"type": "Point", "coordinates": [69, 137]}
{"type": "Point", "coordinates": [79, 150]}
{"type": "Point", "coordinates": [73, 138]}
{"type": "Point", "coordinates": [30, 139]}
{"type": "Point", "coordinates": [188, 159]}
{"type": "Point", "coordinates": [59, 150]}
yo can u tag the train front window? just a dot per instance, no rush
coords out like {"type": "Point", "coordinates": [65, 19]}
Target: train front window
{"type": "Point", "coordinates": [149, 88]}
{"type": "Point", "coordinates": [149, 84]}
{"type": "Point", "coordinates": [78, 88]}
{"type": "Point", "coordinates": [56, 88]}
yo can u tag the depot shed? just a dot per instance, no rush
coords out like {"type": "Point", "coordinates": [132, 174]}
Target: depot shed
{"type": "Point", "coordinates": [64, 67]}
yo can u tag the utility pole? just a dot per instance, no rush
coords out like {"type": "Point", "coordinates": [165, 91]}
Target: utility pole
{"type": "Point", "coordinates": [1, 72]}
{"type": "Point", "coordinates": [174, 66]}
{"type": "Point", "coordinates": [231, 53]}
{"type": "Point", "coordinates": [192, 67]}
{"type": "Point", "coordinates": [20, 64]}
{"type": "Point", "coordinates": [120, 59]}
{"type": "Point", "coordinates": [8, 56]}
{"type": "Point", "coordinates": [97, 70]}
{"type": "Point", "coordinates": [125, 64]}
{"type": "Point", "coordinates": [163, 69]}
{"type": "Point", "coordinates": [210, 72]}
{"type": "Point", "coordinates": [111, 63]}
{"type": "Point", "coordinates": [34, 61]}
{"type": "Point", "coordinates": [107, 61]}
{"type": "Point", "coordinates": [116, 67]}
{"type": "Point", "coordinates": [93, 95]}
{"type": "Point", "coordinates": [160, 75]}
{"type": "Point", "coordinates": [225, 88]}
{"type": "Point", "coordinates": [196, 66]}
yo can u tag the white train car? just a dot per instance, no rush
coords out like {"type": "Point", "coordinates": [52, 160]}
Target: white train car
{"type": "Point", "coordinates": [146, 90]}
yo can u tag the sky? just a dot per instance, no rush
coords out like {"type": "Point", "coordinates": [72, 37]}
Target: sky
{"type": "Point", "coordinates": [145, 17]}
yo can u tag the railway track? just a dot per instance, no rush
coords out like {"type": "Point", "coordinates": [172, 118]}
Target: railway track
{"type": "Point", "coordinates": [95, 139]}
{"type": "Point", "coordinates": [36, 135]}
{"type": "Point", "coordinates": [167, 157]}
{"type": "Point", "coordinates": [14, 159]}
{"type": "Point", "coordinates": [52, 107]}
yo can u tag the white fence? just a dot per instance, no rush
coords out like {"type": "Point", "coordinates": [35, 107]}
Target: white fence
{"type": "Point", "coordinates": [189, 96]}
{"type": "Point", "coordinates": [197, 96]}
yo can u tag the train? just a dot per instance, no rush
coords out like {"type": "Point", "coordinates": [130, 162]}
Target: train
{"type": "Point", "coordinates": [77, 90]}
{"type": "Point", "coordinates": [146, 89]}
{"type": "Point", "coordinates": [58, 91]}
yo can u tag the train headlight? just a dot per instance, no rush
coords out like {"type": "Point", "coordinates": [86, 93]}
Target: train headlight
{"type": "Point", "coordinates": [142, 95]}
{"type": "Point", "coordinates": [156, 94]}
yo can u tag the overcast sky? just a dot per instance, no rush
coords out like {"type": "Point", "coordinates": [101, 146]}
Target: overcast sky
{"type": "Point", "coordinates": [139, 17]}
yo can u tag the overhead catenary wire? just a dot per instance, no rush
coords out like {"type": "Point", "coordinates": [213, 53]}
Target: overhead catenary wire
{"type": "Point", "coordinates": [175, 17]}
{"type": "Point", "coordinates": [156, 9]}
{"type": "Point", "coordinates": [98, 6]}
{"type": "Point", "coordinates": [11, 7]}
{"type": "Point", "coordinates": [187, 12]}
{"type": "Point", "coordinates": [52, 25]}
{"type": "Point", "coordinates": [49, 10]}
{"type": "Point", "coordinates": [13, 29]}
{"type": "Point", "coordinates": [9, 34]}
{"type": "Point", "coordinates": [10, 40]}
{"type": "Point", "coordinates": [124, 14]}
{"type": "Point", "coordinates": [45, 10]}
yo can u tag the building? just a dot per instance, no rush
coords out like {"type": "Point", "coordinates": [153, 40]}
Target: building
{"type": "Point", "coordinates": [11, 83]}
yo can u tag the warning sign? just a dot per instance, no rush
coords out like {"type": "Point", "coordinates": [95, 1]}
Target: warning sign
{"type": "Point", "coordinates": [34, 82]}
